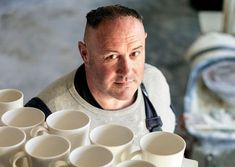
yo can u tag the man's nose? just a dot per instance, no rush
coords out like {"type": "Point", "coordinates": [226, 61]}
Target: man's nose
{"type": "Point", "coordinates": [124, 66]}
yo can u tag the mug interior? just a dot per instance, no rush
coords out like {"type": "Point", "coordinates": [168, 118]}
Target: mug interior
{"type": "Point", "coordinates": [162, 143]}
{"type": "Point", "coordinates": [10, 136]}
{"type": "Point", "coordinates": [23, 117]}
{"type": "Point", "coordinates": [47, 146]}
{"type": "Point", "coordinates": [67, 120]}
{"type": "Point", "coordinates": [111, 135]}
{"type": "Point", "coordinates": [91, 155]}
{"type": "Point", "coordinates": [10, 95]}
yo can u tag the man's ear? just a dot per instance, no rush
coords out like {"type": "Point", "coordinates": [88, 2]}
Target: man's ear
{"type": "Point", "coordinates": [83, 51]}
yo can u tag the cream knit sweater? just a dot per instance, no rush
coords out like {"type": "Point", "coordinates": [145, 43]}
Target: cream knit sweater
{"type": "Point", "coordinates": [62, 94]}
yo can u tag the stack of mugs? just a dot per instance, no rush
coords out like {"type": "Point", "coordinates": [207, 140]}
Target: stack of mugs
{"type": "Point", "coordinates": [64, 138]}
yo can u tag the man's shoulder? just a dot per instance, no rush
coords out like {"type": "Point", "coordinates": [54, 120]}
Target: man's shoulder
{"type": "Point", "coordinates": [154, 80]}
{"type": "Point", "coordinates": [57, 87]}
{"type": "Point", "coordinates": [152, 73]}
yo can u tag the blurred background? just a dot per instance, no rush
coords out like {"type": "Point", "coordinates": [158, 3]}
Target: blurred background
{"type": "Point", "coordinates": [38, 40]}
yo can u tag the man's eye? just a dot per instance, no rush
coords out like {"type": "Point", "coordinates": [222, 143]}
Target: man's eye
{"type": "Point", "coordinates": [111, 57]}
{"type": "Point", "coordinates": [137, 53]}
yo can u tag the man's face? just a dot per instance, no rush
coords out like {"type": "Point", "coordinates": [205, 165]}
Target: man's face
{"type": "Point", "coordinates": [114, 57]}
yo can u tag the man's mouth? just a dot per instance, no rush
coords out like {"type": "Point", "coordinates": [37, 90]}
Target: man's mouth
{"type": "Point", "coordinates": [121, 83]}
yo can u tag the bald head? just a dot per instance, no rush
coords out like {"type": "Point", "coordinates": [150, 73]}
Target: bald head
{"type": "Point", "coordinates": [104, 14]}
{"type": "Point", "coordinates": [97, 16]}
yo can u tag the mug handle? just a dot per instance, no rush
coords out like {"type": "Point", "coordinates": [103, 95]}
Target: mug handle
{"type": "Point", "coordinates": [127, 156]}
{"type": "Point", "coordinates": [18, 156]}
{"type": "Point", "coordinates": [134, 154]}
{"type": "Point", "coordinates": [38, 131]}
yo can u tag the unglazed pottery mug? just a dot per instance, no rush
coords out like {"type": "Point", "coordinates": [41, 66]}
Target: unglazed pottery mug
{"type": "Point", "coordinates": [71, 124]}
{"type": "Point", "coordinates": [163, 149]}
{"type": "Point", "coordinates": [44, 150]}
{"type": "Point", "coordinates": [12, 141]}
{"type": "Point", "coordinates": [135, 163]}
{"type": "Point", "coordinates": [10, 99]}
{"type": "Point", "coordinates": [117, 138]}
{"type": "Point", "coordinates": [24, 118]}
{"type": "Point", "coordinates": [88, 156]}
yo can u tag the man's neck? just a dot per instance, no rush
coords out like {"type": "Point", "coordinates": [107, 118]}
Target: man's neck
{"type": "Point", "coordinates": [108, 103]}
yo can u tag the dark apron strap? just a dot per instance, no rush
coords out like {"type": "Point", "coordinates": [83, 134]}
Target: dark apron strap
{"type": "Point", "coordinates": [153, 121]}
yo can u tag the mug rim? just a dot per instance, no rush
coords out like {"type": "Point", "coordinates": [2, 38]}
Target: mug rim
{"type": "Point", "coordinates": [21, 142]}
{"type": "Point", "coordinates": [74, 130]}
{"type": "Point", "coordinates": [146, 136]}
{"type": "Point", "coordinates": [85, 147]}
{"type": "Point", "coordinates": [29, 143]}
{"type": "Point", "coordinates": [21, 109]}
{"type": "Point", "coordinates": [20, 95]}
{"type": "Point", "coordinates": [93, 131]}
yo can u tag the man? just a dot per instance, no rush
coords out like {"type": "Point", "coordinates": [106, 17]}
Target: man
{"type": "Point", "coordinates": [107, 85]}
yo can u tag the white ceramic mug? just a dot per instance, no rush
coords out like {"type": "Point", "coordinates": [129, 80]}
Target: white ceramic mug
{"type": "Point", "coordinates": [72, 124]}
{"type": "Point", "coordinates": [12, 141]}
{"type": "Point", "coordinates": [88, 156]}
{"type": "Point", "coordinates": [24, 118]}
{"type": "Point", "coordinates": [135, 163]}
{"type": "Point", "coordinates": [10, 99]}
{"type": "Point", "coordinates": [163, 149]}
{"type": "Point", "coordinates": [117, 138]}
{"type": "Point", "coordinates": [44, 150]}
